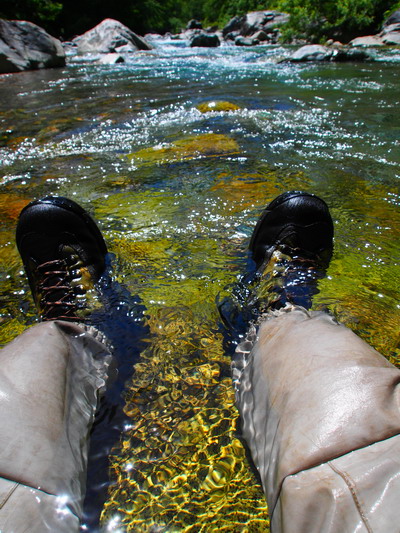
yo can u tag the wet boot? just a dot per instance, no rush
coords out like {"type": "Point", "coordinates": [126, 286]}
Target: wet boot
{"type": "Point", "coordinates": [290, 250]}
{"type": "Point", "coordinates": [291, 246]}
{"type": "Point", "coordinates": [64, 254]}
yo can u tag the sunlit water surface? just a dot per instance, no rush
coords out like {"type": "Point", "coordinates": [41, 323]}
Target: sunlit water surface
{"type": "Point", "coordinates": [176, 192]}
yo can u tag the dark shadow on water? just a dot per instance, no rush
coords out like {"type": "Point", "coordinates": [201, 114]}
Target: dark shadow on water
{"type": "Point", "coordinates": [122, 319]}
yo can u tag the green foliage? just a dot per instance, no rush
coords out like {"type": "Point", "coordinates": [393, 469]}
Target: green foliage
{"type": "Point", "coordinates": [37, 11]}
{"type": "Point", "coordinates": [220, 11]}
{"type": "Point", "coordinates": [318, 20]}
{"type": "Point", "coordinates": [392, 9]}
{"type": "Point", "coordinates": [313, 20]}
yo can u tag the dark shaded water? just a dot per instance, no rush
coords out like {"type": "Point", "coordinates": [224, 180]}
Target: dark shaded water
{"type": "Point", "coordinates": [176, 193]}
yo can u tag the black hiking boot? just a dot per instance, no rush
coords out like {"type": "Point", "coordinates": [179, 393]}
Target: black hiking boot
{"type": "Point", "coordinates": [291, 246]}
{"type": "Point", "coordinates": [63, 253]}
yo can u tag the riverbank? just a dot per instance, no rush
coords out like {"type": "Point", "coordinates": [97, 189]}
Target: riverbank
{"type": "Point", "coordinates": [27, 46]}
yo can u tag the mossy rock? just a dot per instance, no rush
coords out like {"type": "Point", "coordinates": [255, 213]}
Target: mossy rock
{"type": "Point", "coordinates": [137, 215]}
{"type": "Point", "coordinates": [355, 300]}
{"type": "Point", "coordinates": [253, 190]}
{"type": "Point", "coordinates": [147, 266]}
{"type": "Point", "coordinates": [194, 147]}
{"type": "Point", "coordinates": [216, 106]}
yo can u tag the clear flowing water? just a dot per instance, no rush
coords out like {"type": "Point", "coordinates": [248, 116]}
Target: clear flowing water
{"type": "Point", "coordinates": [176, 184]}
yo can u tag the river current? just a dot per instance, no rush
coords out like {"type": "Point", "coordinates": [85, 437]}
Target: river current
{"type": "Point", "coordinates": [175, 153]}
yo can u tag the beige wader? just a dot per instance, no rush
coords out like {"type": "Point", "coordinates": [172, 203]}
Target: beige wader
{"type": "Point", "coordinates": [321, 416]}
{"type": "Point", "coordinates": [50, 378]}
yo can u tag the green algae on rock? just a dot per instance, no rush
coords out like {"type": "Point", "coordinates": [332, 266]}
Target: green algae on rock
{"type": "Point", "coordinates": [216, 106]}
{"type": "Point", "coordinates": [193, 147]}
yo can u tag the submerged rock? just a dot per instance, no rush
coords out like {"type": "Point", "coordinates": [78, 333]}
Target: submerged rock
{"type": "Point", "coordinates": [216, 106]}
{"type": "Point", "coordinates": [205, 40]}
{"type": "Point", "coordinates": [110, 36]}
{"type": "Point", "coordinates": [347, 54]}
{"type": "Point", "coordinates": [26, 46]}
{"type": "Point", "coordinates": [194, 147]}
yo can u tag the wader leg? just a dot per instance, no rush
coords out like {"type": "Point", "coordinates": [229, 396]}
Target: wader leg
{"type": "Point", "coordinates": [50, 378]}
{"type": "Point", "coordinates": [320, 413]}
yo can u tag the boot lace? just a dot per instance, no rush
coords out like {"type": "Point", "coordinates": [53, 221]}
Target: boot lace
{"type": "Point", "coordinates": [58, 291]}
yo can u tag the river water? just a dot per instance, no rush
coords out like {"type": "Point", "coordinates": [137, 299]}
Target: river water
{"type": "Point", "coordinates": [176, 182]}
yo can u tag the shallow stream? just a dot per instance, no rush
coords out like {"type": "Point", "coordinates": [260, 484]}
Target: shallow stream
{"type": "Point", "coordinates": [176, 182]}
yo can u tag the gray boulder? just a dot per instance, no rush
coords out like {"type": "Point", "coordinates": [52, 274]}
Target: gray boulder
{"type": "Point", "coordinates": [391, 39]}
{"type": "Point", "coordinates": [267, 22]}
{"type": "Point", "coordinates": [262, 20]}
{"type": "Point", "coordinates": [367, 40]}
{"type": "Point", "coordinates": [261, 36]}
{"type": "Point", "coordinates": [205, 40]}
{"type": "Point", "coordinates": [233, 26]}
{"type": "Point", "coordinates": [311, 52]}
{"type": "Point", "coordinates": [231, 36]}
{"type": "Point", "coordinates": [245, 41]}
{"type": "Point", "coordinates": [26, 46]}
{"type": "Point", "coordinates": [394, 18]}
{"type": "Point", "coordinates": [316, 52]}
{"type": "Point", "coordinates": [194, 24]}
{"type": "Point", "coordinates": [111, 59]}
{"type": "Point", "coordinates": [110, 36]}
{"type": "Point", "coordinates": [391, 34]}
